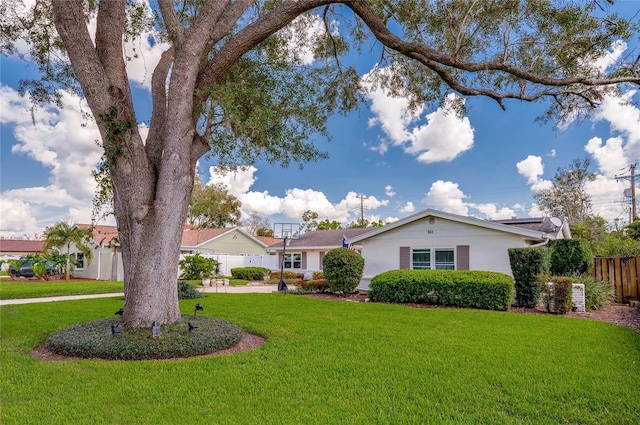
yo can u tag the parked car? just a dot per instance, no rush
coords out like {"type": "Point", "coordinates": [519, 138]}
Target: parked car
{"type": "Point", "coordinates": [26, 271]}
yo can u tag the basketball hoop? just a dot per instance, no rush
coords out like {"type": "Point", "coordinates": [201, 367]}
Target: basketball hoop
{"type": "Point", "coordinates": [285, 231]}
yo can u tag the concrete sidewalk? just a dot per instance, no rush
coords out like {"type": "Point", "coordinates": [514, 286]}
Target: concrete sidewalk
{"type": "Point", "coordinates": [213, 289]}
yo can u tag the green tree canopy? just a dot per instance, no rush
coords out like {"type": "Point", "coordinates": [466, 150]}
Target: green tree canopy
{"type": "Point", "coordinates": [567, 196]}
{"type": "Point", "coordinates": [211, 205]}
{"type": "Point", "coordinates": [327, 224]}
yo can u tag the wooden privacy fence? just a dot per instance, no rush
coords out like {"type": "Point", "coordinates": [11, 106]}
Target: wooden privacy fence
{"type": "Point", "coordinates": [622, 272]}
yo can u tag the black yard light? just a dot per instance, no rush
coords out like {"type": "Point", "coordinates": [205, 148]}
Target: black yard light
{"type": "Point", "coordinates": [119, 312]}
{"type": "Point", "coordinates": [198, 308]}
{"type": "Point", "coordinates": [192, 326]}
{"type": "Point", "coordinates": [116, 329]}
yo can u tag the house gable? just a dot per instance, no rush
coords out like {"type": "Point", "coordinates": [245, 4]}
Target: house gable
{"type": "Point", "coordinates": [433, 239]}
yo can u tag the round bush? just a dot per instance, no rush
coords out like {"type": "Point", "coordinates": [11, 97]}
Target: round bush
{"type": "Point", "coordinates": [96, 339]}
{"type": "Point", "coordinates": [187, 292]}
{"type": "Point", "coordinates": [343, 270]}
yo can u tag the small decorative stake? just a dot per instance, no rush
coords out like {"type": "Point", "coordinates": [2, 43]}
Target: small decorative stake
{"type": "Point", "coordinates": [155, 327]}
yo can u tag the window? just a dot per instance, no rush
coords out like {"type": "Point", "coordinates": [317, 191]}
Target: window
{"type": "Point", "coordinates": [421, 259]}
{"type": "Point", "coordinates": [442, 259]}
{"type": "Point", "coordinates": [79, 261]}
{"type": "Point", "coordinates": [293, 261]}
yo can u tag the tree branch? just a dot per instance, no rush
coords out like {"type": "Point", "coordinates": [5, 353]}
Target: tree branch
{"type": "Point", "coordinates": [174, 27]}
{"type": "Point", "coordinates": [251, 36]}
{"type": "Point", "coordinates": [153, 144]}
{"type": "Point", "coordinates": [429, 57]}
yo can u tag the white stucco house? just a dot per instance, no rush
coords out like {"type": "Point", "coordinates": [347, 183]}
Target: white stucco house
{"type": "Point", "coordinates": [434, 239]}
{"type": "Point", "coordinates": [231, 246]}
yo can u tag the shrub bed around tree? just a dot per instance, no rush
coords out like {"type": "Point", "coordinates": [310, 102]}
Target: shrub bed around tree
{"type": "Point", "coordinates": [96, 339]}
{"type": "Point", "coordinates": [459, 288]}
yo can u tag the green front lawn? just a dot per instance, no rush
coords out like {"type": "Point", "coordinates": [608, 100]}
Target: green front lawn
{"type": "Point", "coordinates": [330, 362]}
{"type": "Point", "coordinates": [10, 289]}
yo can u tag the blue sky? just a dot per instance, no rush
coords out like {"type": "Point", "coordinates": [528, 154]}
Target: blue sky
{"type": "Point", "coordinates": [487, 163]}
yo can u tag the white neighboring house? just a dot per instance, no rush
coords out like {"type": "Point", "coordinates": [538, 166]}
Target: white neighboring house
{"type": "Point", "coordinates": [306, 253]}
{"type": "Point", "coordinates": [231, 246]}
{"type": "Point", "coordinates": [434, 239]}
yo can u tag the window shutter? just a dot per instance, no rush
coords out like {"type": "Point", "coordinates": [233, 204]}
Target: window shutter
{"type": "Point", "coordinates": [462, 257]}
{"type": "Point", "coordinates": [304, 260]}
{"type": "Point", "coordinates": [321, 259]}
{"type": "Point", "coordinates": [405, 257]}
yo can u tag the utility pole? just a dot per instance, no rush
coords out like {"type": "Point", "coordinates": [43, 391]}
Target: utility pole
{"type": "Point", "coordinates": [361, 209]}
{"type": "Point", "coordinates": [632, 177]}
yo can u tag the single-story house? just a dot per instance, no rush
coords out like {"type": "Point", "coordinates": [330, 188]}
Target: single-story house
{"type": "Point", "coordinates": [107, 257]}
{"type": "Point", "coordinates": [307, 252]}
{"type": "Point", "coordinates": [228, 240]}
{"type": "Point", "coordinates": [434, 239]}
{"type": "Point", "coordinates": [13, 249]}
{"type": "Point", "coordinates": [223, 244]}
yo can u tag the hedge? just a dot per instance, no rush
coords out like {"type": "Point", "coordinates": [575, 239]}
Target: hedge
{"type": "Point", "coordinates": [570, 256]}
{"type": "Point", "coordinates": [249, 273]}
{"type": "Point", "coordinates": [459, 288]}
{"type": "Point", "coordinates": [526, 265]}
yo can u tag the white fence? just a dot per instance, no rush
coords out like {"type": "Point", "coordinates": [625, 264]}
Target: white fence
{"type": "Point", "coordinates": [228, 262]}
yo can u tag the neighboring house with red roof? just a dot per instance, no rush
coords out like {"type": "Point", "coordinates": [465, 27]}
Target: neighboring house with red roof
{"type": "Point", "coordinates": [13, 249]}
{"type": "Point", "coordinates": [223, 244]}
{"type": "Point", "coordinates": [228, 240]}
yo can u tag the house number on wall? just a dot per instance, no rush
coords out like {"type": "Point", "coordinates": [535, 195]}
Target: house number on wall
{"type": "Point", "coordinates": [429, 232]}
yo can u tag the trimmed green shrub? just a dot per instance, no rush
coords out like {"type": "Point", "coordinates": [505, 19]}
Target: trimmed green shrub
{"type": "Point", "coordinates": [570, 256]}
{"type": "Point", "coordinates": [96, 340]}
{"type": "Point", "coordinates": [249, 273]}
{"type": "Point", "coordinates": [343, 270]}
{"type": "Point", "coordinates": [460, 288]}
{"type": "Point", "coordinates": [186, 291]}
{"type": "Point", "coordinates": [526, 265]}
{"type": "Point", "coordinates": [286, 274]}
{"type": "Point", "coordinates": [196, 267]}
{"type": "Point", "coordinates": [597, 293]}
{"type": "Point", "coordinates": [316, 286]}
{"type": "Point", "coordinates": [318, 275]}
{"type": "Point", "coordinates": [556, 293]}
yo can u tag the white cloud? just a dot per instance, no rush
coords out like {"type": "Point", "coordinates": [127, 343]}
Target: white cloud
{"type": "Point", "coordinates": [611, 56]}
{"type": "Point", "coordinates": [446, 196]}
{"type": "Point", "coordinates": [237, 182]}
{"type": "Point", "coordinates": [531, 168]}
{"type": "Point", "coordinates": [388, 189]}
{"type": "Point", "coordinates": [295, 200]}
{"type": "Point", "coordinates": [442, 136]}
{"type": "Point", "coordinates": [301, 36]}
{"type": "Point", "coordinates": [408, 208]}
{"type": "Point", "coordinates": [16, 218]}
{"type": "Point", "coordinates": [492, 212]}
{"type": "Point", "coordinates": [609, 157]}
{"type": "Point", "coordinates": [64, 142]}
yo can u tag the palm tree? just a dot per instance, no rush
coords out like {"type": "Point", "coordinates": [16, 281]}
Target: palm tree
{"type": "Point", "coordinates": [61, 234]}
